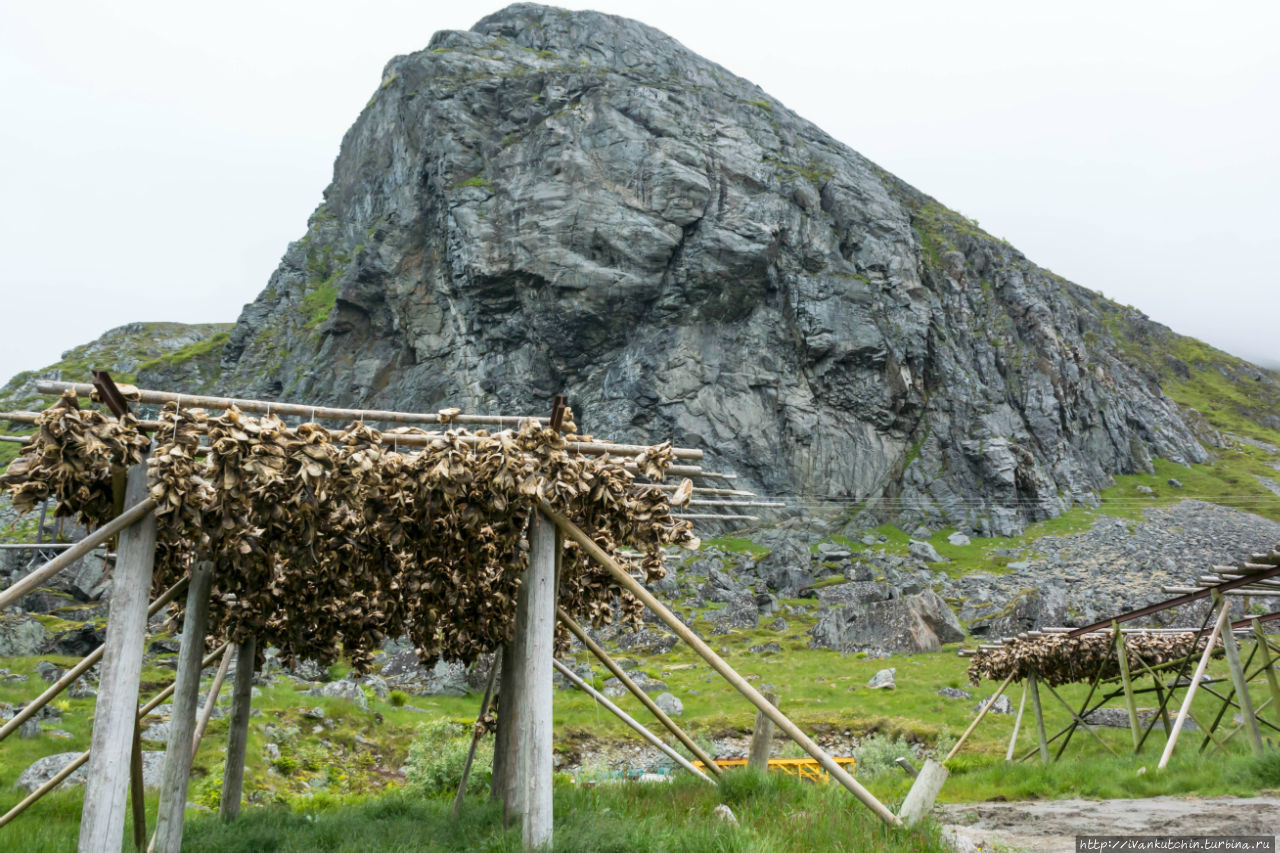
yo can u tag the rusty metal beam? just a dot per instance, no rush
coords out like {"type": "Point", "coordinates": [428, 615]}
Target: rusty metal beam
{"type": "Point", "coordinates": [1271, 572]}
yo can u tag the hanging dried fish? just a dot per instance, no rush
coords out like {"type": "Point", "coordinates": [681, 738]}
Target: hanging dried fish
{"type": "Point", "coordinates": [324, 546]}
{"type": "Point", "coordinates": [1060, 659]}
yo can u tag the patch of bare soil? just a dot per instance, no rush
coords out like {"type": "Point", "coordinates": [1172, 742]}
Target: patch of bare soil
{"type": "Point", "coordinates": [1051, 826]}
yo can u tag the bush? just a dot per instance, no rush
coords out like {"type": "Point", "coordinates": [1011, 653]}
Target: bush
{"type": "Point", "coordinates": [437, 755]}
{"type": "Point", "coordinates": [877, 753]}
{"type": "Point", "coordinates": [398, 698]}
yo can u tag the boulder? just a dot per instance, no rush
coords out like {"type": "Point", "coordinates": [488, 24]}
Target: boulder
{"type": "Point", "coordinates": [44, 601]}
{"type": "Point", "coordinates": [1001, 705]}
{"type": "Point", "coordinates": [87, 579]}
{"type": "Point", "coordinates": [1030, 609]}
{"type": "Point", "coordinates": [954, 693]}
{"type": "Point", "coordinates": [958, 538]}
{"type": "Point", "coordinates": [914, 623]}
{"type": "Point", "coordinates": [740, 612]}
{"type": "Point", "coordinates": [48, 672]}
{"type": "Point", "coordinates": [447, 678]}
{"type": "Point", "coordinates": [345, 689]}
{"type": "Point", "coordinates": [46, 768]}
{"type": "Point", "coordinates": [21, 636]}
{"type": "Point", "coordinates": [854, 592]}
{"type": "Point", "coordinates": [787, 568]}
{"type": "Point", "coordinates": [78, 642]}
{"type": "Point", "coordinates": [404, 664]}
{"type": "Point", "coordinates": [884, 680]}
{"type": "Point", "coordinates": [670, 704]}
{"type": "Point", "coordinates": [722, 586]}
{"type": "Point", "coordinates": [81, 689]}
{"type": "Point", "coordinates": [924, 552]}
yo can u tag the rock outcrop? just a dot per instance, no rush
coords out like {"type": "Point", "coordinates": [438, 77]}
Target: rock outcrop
{"type": "Point", "coordinates": [568, 201]}
{"type": "Point", "coordinates": [913, 623]}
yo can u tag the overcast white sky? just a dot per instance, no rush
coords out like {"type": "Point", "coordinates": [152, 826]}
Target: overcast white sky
{"type": "Point", "coordinates": [156, 157]}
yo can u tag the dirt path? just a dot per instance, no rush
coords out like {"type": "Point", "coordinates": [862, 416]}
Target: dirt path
{"type": "Point", "coordinates": [1050, 826]}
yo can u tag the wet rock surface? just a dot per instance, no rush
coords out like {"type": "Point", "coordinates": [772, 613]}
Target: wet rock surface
{"type": "Point", "coordinates": [572, 202]}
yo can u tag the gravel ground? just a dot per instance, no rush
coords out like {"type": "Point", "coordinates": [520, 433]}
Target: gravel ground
{"type": "Point", "coordinates": [1051, 826]}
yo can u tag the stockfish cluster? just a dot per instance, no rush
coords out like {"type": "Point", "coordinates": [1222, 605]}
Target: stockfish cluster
{"type": "Point", "coordinates": [1059, 659]}
{"type": "Point", "coordinates": [326, 543]}
{"type": "Point", "coordinates": [79, 456]}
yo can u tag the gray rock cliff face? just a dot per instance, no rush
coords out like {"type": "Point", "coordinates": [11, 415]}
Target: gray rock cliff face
{"type": "Point", "coordinates": [571, 202]}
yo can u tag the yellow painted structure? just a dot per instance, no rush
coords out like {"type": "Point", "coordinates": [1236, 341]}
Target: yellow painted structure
{"type": "Point", "coordinates": [805, 768]}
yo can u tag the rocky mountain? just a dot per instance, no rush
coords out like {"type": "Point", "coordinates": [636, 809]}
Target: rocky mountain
{"type": "Point", "coordinates": [572, 202]}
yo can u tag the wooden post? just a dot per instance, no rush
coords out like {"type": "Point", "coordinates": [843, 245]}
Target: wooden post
{"type": "Point", "coordinates": [630, 584]}
{"type": "Point", "coordinates": [1191, 688]}
{"type": "Point", "coordinates": [923, 792]}
{"type": "Point", "coordinates": [137, 792]}
{"type": "Point", "coordinates": [1034, 690]}
{"type": "Point", "coordinates": [1017, 723]}
{"type": "Point", "coordinates": [631, 721]}
{"type": "Point", "coordinates": [182, 720]}
{"type": "Point", "coordinates": [476, 733]}
{"type": "Point", "coordinates": [529, 795]}
{"type": "Point", "coordinates": [1080, 721]}
{"type": "Point", "coordinates": [1241, 685]}
{"type": "Point", "coordinates": [761, 739]}
{"type": "Point", "coordinates": [1131, 703]}
{"type": "Point", "coordinates": [500, 786]}
{"type": "Point", "coordinates": [620, 674]}
{"type": "Point", "coordinates": [1267, 664]}
{"type": "Point", "coordinates": [978, 719]}
{"type": "Point", "coordinates": [102, 819]}
{"type": "Point", "coordinates": [211, 700]}
{"type": "Point", "coordinates": [238, 732]}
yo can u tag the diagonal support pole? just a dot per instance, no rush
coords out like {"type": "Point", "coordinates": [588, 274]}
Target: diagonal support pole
{"type": "Point", "coordinates": [631, 585]}
{"type": "Point", "coordinates": [644, 698]}
{"type": "Point", "coordinates": [1191, 688]}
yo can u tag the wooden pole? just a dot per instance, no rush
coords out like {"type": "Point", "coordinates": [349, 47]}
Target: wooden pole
{"type": "Point", "coordinates": [159, 698]}
{"type": "Point", "coordinates": [761, 739]}
{"type": "Point", "coordinates": [137, 794]}
{"type": "Point", "coordinates": [72, 675]}
{"type": "Point", "coordinates": [978, 719]}
{"type": "Point", "coordinates": [142, 507]}
{"type": "Point", "coordinates": [500, 786]}
{"type": "Point", "coordinates": [536, 619]}
{"type": "Point", "coordinates": [1221, 745]}
{"type": "Point", "coordinates": [1241, 685]}
{"type": "Point", "coordinates": [1017, 723]}
{"type": "Point", "coordinates": [238, 731]}
{"type": "Point", "coordinates": [211, 700]}
{"type": "Point", "coordinates": [631, 721]}
{"type": "Point", "coordinates": [630, 584]}
{"type": "Point", "coordinates": [331, 413]}
{"type": "Point", "coordinates": [1191, 688]}
{"type": "Point", "coordinates": [45, 788]}
{"type": "Point", "coordinates": [1130, 702]}
{"type": "Point", "coordinates": [1084, 707]}
{"type": "Point", "coordinates": [146, 709]}
{"type": "Point", "coordinates": [1080, 720]}
{"type": "Point", "coordinates": [182, 720]}
{"type": "Point", "coordinates": [116, 711]}
{"type": "Point", "coordinates": [1034, 690]}
{"type": "Point", "coordinates": [1268, 665]}
{"type": "Point", "coordinates": [620, 674]}
{"type": "Point", "coordinates": [476, 734]}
